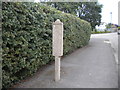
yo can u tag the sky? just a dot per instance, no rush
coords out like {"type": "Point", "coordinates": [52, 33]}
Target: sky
{"type": "Point", "coordinates": [108, 7]}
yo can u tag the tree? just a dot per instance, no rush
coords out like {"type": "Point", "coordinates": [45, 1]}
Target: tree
{"type": "Point", "coordinates": [89, 11]}
{"type": "Point", "coordinates": [109, 25]}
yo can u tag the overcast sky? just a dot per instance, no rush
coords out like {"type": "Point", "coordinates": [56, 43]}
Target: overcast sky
{"type": "Point", "coordinates": [109, 6]}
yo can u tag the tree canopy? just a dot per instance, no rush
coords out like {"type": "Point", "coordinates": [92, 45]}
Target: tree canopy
{"type": "Point", "coordinates": [89, 11]}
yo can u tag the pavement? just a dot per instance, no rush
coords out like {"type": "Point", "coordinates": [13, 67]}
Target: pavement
{"type": "Point", "coordinates": [119, 60]}
{"type": "Point", "coordinates": [112, 39]}
{"type": "Point", "coordinates": [93, 66]}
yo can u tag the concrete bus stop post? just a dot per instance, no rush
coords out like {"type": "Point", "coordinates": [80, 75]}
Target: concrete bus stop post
{"type": "Point", "coordinates": [57, 46]}
{"type": "Point", "coordinates": [57, 68]}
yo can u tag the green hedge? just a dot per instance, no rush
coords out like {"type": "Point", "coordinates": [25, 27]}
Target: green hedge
{"type": "Point", "coordinates": [99, 32]}
{"type": "Point", "coordinates": [27, 38]}
{"type": "Point", "coordinates": [118, 28]}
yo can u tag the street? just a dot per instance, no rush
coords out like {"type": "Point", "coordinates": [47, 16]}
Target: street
{"type": "Point", "coordinates": [93, 66]}
{"type": "Point", "coordinates": [112, 38]}
{"type": "Point", "coordinates": [119, 60]}
{"type": "Point", "coordinates": [115, 43]}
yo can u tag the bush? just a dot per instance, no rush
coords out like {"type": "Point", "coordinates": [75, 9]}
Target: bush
{"type": "Point", "coordinates": [27, 38]}
{"type": "Point", "coordinates": [99, 32]}
{"type": "Point", "coordinates": [118, 28]}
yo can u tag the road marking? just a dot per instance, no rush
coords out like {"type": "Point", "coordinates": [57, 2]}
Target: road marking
{"type": "Point", "coordinates": [107, 41]}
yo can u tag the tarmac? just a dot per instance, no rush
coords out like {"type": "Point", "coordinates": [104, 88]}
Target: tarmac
{"type": "Point", "coordinates": [92, 66]}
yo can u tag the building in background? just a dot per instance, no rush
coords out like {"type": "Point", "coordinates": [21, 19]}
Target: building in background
{"type": "Point", "coordinates": [101, 27]}
{"type": "Point", "coordinates": [107, 27]}
{"type": "Point", "coordinates": [112, 27]}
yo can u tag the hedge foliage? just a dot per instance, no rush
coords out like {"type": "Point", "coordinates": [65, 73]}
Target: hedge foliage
{"type": "Point", "coordinates": [118, 28]}
{"type": "Point", "coordinates": [27, 37]}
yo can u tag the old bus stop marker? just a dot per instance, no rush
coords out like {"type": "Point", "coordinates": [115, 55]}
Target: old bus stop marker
{"type": "Point", "coordinates": [57, 46]}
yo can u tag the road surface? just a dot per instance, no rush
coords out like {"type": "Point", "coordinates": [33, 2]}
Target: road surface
{"type": "Point", "coordinates": [111, 38]}
{"type": "Point", "coordinates": [93, 66]}
{"type": "Point", "coordinates": [119, 60]}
